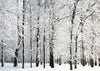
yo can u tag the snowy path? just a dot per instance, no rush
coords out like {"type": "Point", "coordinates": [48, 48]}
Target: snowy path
{"type": "Point", "coordinates": [64, 67]}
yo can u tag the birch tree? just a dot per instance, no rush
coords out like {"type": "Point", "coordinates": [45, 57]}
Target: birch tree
{"type": "Point", "coordinates": [2, 53]}
{"type": "Point", "coordinates": [19, 37]}
{"type": "Point", "coordinates": [71, 31]}
{"type": "Point", "coordinates": [51, 45]}
{"type": "Point", "coordinates": [23, 23]}
{"type": "Point", "coordinates": [37, 36]}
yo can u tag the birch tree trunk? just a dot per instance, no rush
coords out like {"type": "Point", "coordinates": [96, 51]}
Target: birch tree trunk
{"type": "Point", "coordinates": [23, 23]}
{"type": "Point", "coordinates": [76, 38]}
{"type": "Point", "coordinates": [71, 35]}
{"type": "Point", "coordinates": [83, 60]}
{"type": "Point", "coordinates": [51, 44]}
{"type": "Point", "coordinates": [2, 54]}
{"type": "Point", "coordinates": [37, 40]}
{"type": "Point", "coordinates": [92, 46]}
{"type": "Point", "coordinates": [19, 39]}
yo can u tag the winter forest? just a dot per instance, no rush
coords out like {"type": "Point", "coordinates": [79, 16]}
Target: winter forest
{"type": "Point", "coordinates": [49, 35]}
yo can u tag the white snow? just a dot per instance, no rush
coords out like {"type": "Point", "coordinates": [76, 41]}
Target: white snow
{"type": "Point", "coordinates": [63, 67]}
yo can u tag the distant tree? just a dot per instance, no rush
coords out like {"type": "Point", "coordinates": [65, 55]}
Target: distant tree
{"type": "Point", "coordinates": [95, 61]}
{"type": "Point", "coordinates": [92, 46]}
{"type": "Point", "coordinates": [44, 50]}
{"type": "Point", "coordinates": [30, 33]}
{"type": "Point", "coordinates": [83, 59]}
{"type": "Point", "coordinates": [99, 61]}
{"type": "Point", "coordinates": [59, 60]}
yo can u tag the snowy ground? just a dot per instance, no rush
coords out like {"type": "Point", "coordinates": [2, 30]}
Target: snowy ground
{"type": "Point", "coordinates": [64, 67]}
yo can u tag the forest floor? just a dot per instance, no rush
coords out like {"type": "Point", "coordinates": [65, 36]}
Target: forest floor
{"type": "Point", "coordinates": [63, 67]}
